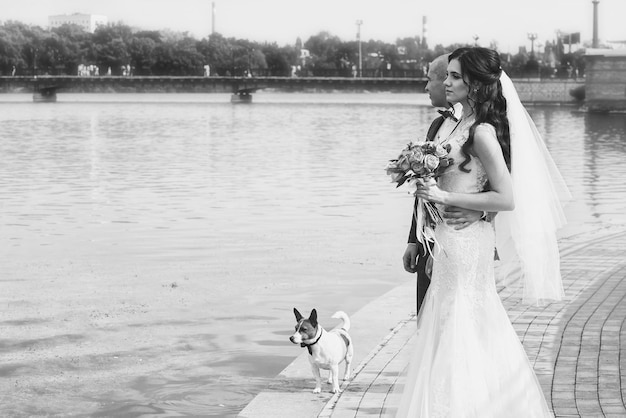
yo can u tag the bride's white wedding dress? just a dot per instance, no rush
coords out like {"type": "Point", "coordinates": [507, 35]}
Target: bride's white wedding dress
{"type": "Point", "coordinates": [468, 360]}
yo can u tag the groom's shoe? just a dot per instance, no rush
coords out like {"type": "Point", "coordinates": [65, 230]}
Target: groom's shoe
{"type": "Point", "coordinates": [326, 348]}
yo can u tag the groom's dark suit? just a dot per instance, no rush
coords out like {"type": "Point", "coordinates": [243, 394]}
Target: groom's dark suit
{"type": "Point", "coordinates": [422, 279]}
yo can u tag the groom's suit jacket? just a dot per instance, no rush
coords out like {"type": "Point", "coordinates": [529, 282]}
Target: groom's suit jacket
{"type": "Point", "coordinates": [423, 281]}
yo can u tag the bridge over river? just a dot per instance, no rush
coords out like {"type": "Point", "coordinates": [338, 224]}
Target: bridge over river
{"type": "Point", "coordinates": [155, 84]}
{"type": "Point", "coordinates": [545, 91]}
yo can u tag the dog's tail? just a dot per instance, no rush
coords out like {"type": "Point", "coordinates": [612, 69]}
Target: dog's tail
{"type": "Point", "coordinates": [344, 317]}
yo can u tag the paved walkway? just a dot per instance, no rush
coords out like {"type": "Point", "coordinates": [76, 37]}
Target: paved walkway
{"type": "Point", "coordinates": [575, 345]}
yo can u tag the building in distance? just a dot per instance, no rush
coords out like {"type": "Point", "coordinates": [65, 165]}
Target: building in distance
{"type": "Point", "coordinates": [86, 21]}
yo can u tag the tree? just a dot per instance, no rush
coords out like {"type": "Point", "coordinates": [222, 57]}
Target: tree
{"type": "Point", "coordinates": [257, 60]}
{"type": "Point", "coordinates": [141, 52]}
{"type": "Point", "coordinates": [325, 52]}
{"type": "Point", "coordinates": [61, 50]}
{"type": "Point", "coordinates": [112, 55]}
{"type": "Point", "coordinates": [111, 47]}
{"type": "Point", "coordinates": [188, 61]}
{"type": "Point", "coordinates": [279, 60]}
{"type": "Point", "coordinates": [53, 55]}
{"type": "Point", "coordinates": [412, 48]}
{"type": "Point", "coordinates": [76, 46]}
{"type": "Point", "coordinates": [9, 53]}
{"type": "Point", "coordinates": [177, 57]}
{"type": "Point", "coordinates": [216, 51]}
{"type": "Point", "coordinates": [27, 41]}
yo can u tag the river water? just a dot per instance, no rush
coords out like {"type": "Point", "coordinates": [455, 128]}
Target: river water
{"type": "Point", "coordinates": [213, 221]}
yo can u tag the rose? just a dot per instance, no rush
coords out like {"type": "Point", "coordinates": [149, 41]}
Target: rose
{"type": "Point", "coordinates": [440, 151]}
{"type": "Point", "coordinates": [404, 164]}
{"type": "Point", "coordinates": [391, 168]}
{"type": "Point", "coordinates": [407, 151]}
{"type": "Point", "coordinates": [391, 165]}
{"type": "Point", "coordinates": [395, 176]}
{"type": "Point", "coordinates": [418, 155]}
{"type": "Point", "coordinates": [417, 166]}
{"type": "Point", "coordinates": [431, 162]}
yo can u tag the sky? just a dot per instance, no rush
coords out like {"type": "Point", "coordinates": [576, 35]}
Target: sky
{"type": "Point", "coordinates": [282, 21]}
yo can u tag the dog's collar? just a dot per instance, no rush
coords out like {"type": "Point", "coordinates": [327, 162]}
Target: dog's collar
{"type": "Point", "coordinates": [308, 346]}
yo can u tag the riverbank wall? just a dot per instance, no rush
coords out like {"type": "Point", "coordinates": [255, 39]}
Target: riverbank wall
{"type": "Point", "coordinates": [556, 92]}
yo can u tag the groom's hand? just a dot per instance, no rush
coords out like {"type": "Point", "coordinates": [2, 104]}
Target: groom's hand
{"type": "Point", "coordinates": [409, 259]}
{"type": "Point", "coordinates": [461, 218]}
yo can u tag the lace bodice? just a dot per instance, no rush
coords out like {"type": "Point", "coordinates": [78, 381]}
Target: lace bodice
{"type": "Point", "coordinates": [474, 242]}
{"type": "Point", "coordinates": [454, 179]}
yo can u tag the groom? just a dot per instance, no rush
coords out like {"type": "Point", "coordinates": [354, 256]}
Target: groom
{"type": "Point", "coordinates": [415, 260]}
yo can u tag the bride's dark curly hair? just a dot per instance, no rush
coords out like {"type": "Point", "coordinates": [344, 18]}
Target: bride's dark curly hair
{"type": "Point", "coordinates": [480, 68]}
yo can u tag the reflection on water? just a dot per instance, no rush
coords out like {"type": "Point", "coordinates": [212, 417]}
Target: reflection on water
{"type": "Point", "coordinates": [589, 150]}
{"type": "Point", "coordinates": [224, 218]}
{"type": "Point", "coordinates": [606, 149]}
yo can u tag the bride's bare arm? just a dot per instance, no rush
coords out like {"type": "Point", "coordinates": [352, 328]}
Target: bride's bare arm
{"type": "Point", "coordinates": [500, 196]}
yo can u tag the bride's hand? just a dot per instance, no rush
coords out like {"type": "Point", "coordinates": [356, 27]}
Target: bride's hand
{"type": "Point", "coordinates": [428, 190]}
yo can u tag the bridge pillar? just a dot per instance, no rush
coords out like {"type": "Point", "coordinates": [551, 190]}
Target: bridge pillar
{"type": "Point", "coordinates": [605, 80]}
{"type": "Point", "coordinates": [44, 94]}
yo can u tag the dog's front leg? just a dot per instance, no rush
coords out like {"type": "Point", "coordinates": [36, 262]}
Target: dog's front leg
{"type": "Point", "coordinates": [318, 378]}
{"type": "Point", "coordinates": [334, 375]}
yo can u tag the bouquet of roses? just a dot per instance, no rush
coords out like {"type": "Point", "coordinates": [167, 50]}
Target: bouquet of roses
{"type": "Point", "coordinates": [422, 161]}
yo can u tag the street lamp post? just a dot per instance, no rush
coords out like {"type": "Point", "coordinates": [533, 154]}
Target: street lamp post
{"type": "Point", "coordinates": [595, 23]}
{"type": "Point", "coordinates": [358, 37]}
{"type": "Point", "coordinates": [532, 37]}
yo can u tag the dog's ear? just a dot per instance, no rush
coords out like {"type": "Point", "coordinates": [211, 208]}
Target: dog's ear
{"type": "Point", "coordinates": [297, 314]}
{"type": "Point", "coordinates": [313, 318]}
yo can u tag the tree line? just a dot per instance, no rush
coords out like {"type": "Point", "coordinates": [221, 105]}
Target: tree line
{"type": "Point", "coordinates": [118, 49]}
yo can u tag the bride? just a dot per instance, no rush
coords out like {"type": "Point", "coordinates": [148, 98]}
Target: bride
{"type": "Point", "coordinates": [468, 360]}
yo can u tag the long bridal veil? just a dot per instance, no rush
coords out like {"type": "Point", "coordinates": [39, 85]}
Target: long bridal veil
{"type": "Point", "coordinates": [526, 237]}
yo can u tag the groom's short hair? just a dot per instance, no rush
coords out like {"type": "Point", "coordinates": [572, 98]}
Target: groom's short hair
{"type": "Point", "coordinates": [439, 66]}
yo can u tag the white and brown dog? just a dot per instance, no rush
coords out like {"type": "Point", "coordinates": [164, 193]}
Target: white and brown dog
{"type": "Point", "coordinates": [326, 348]}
